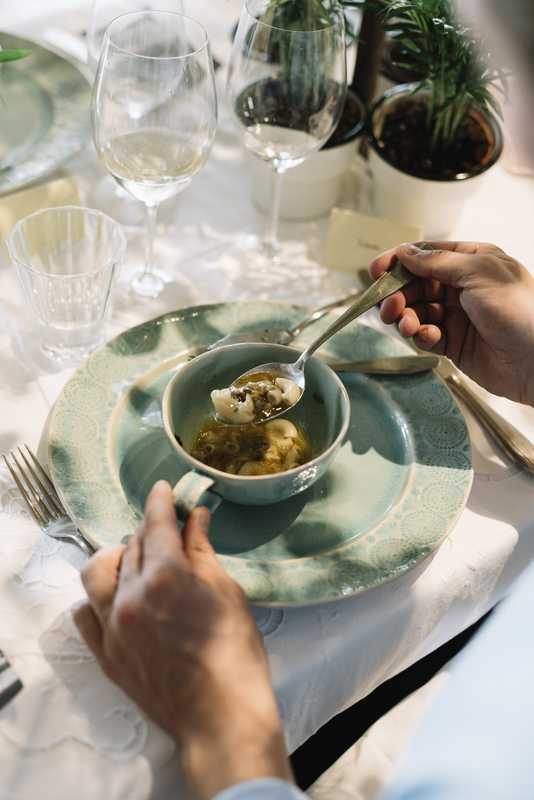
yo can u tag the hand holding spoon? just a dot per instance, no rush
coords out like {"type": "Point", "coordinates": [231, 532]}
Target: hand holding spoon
{"type": "Point", "coordinates": [388, 283]}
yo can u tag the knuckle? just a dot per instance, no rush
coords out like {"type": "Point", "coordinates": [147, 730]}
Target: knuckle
{"type": "Point", "coordinates": [494, 248]}
{"type": "Point", "coordinates": [158, 582]}
{"type": "Point", "coordinates": [490, 262]}
{"type": "Point", "coordinates": [128, 612]}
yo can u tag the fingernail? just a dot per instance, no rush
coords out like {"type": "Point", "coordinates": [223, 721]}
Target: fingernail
{"type": "Point", "coordinates": [161, 486]}
{"type": "Point", "coordinates": [413, 250]}
{"type": "Point", "coordinates": [203, 516]}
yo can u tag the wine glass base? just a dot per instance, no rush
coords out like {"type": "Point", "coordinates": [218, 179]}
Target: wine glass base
{"type": "Point", "coordinates": [149, 284]}
{"type": "Point", "coordinates": [264, 253]}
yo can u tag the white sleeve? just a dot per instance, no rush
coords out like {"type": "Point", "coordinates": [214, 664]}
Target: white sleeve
{"type": "Point", "coordinates": [476, 741]}
{"type": "Point", "coordinates": [263, 789]}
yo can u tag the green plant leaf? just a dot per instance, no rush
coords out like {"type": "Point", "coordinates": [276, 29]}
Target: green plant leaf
{"type": "Point", "coordinates": [13, 55]}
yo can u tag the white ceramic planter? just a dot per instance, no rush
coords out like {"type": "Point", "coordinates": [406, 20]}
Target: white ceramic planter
{"type": "Point", "coordinates": [435, 205]}
{"type": "Point", "coordinates": [309, 190]}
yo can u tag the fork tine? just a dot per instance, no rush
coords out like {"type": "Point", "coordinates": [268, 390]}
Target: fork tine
{"type": "Point", "coordinates": [36, 514]}
{"type": "Point", "coordinates": [47, 511]}
{"type": "Point", "coordinates": [51, 500]}
{"type": "Point", "coordinates": [45, 477]}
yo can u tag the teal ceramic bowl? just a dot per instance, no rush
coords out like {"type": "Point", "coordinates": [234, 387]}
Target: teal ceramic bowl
{"type": "Point", "coordinates": [323, 413]}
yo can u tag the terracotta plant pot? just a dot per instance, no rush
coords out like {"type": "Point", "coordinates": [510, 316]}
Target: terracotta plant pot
{"type": "Point", "coordinates": [311, 189]}
{"type": "Point", "coordinates": [415, 193]}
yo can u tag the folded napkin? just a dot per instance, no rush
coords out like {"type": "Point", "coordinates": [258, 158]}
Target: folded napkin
{"type": "Point", "coordinates": [353, 240]}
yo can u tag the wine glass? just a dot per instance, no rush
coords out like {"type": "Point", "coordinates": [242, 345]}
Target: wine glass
{"type": "Point", "coordinates": [105, 193]}
{"type": "Point", "coordinates": [154, 113]}
{"type": "Point", "coordinates": [105, 11]}
{"type": "Point", "coordinates": [287, 84]}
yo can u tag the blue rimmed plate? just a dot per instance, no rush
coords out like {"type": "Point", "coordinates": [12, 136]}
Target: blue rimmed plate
{"type": "Point", "coordinates": [395, 491]}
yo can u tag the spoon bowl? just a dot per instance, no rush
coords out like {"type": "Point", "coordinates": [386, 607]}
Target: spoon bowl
{"type": "Point", "coordinates": [290, 372]}
{"type": "Point", "coordinates": [388, 283]}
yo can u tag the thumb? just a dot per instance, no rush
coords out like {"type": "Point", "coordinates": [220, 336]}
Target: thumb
{"type": "Point", "coordinates": [449, 267]}
{"type": "Point", "coordinates": [197, 545]}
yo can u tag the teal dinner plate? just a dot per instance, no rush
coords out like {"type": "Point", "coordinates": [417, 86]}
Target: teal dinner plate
{"type": "Point", "coordinates": [44, 107]}
{"type": "Point", "coordinates": [395, 490]}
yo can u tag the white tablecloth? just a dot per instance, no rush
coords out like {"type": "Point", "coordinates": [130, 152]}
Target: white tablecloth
{"type": "Point", "coordinates": [70, 732]}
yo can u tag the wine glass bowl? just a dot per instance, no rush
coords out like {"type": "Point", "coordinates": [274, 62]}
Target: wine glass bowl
{"type": "Point", "coordinates": [103, 12]}
{"type": "Point", "coordinates": [154, 112]}
{"type": "Point", "coordinates": [105, 193]}
{"type": "Point", "coordinates": [287, 85]}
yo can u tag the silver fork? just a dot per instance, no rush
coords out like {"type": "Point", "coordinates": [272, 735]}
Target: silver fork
{"type": "Point", "coordinates": [42, 500]}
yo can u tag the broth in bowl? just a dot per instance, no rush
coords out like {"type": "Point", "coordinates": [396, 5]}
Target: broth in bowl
{"type": "Point", "coordinates": [266, 449]}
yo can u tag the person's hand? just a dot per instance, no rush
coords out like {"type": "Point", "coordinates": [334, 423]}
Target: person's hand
{"type": "Point", "coordinates": [174, 631]}
{"type": "Point", "coordinates": [472, 303]}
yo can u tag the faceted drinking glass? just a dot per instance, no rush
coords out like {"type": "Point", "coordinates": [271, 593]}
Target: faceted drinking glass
{"type": "Point", "coordinates": [67, 259]}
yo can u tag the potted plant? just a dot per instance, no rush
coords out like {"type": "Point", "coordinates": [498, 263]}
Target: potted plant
{"type": "Point", "coordinates": [433, 141]}
{"type": "Point", "coordinates": [311, 189]}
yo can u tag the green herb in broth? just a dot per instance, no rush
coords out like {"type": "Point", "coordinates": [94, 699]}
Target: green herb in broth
{"type": "Point", "coordinates": [275, 446]}
{"type": "Point", "coordinates": [264, 407]}
{"type": "Point", "coordinates": [255, 398]}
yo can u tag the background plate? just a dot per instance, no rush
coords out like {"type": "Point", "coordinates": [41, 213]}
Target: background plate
{"type": "Point", "coordinates": [393, 493]}
{"type": "Point", "coordinates": [45, 113]}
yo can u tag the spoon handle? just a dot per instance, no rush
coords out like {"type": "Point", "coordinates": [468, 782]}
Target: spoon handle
{"type": "Point", "coordinates": [321, 312]}
{"type": "Point", "coordinates": [388, 283]}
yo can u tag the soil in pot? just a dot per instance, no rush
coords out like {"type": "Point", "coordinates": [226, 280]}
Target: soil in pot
{"type": "Point", "coordinates": [405, 143]}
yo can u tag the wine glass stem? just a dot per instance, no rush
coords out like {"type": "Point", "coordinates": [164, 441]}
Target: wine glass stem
{"type": "Point", "coordinates": [273, 243]}
{"type": "Point", "coordinates": [151, 223]}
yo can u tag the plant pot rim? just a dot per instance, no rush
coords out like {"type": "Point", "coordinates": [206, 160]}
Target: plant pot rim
{"type": "Point", "coordinates": [406, 88]}
{"type": "Point", "coordinates": [356, 130]}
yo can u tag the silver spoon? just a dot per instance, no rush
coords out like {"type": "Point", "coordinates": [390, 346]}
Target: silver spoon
{"type": "Point", "coordinates": [388, 283]}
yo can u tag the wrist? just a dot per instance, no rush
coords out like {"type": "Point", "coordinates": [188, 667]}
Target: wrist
{"type": "Point", "coordinates": [234, 754]}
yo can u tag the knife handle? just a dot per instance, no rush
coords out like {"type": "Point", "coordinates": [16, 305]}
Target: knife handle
{"type": "Point", "coordinates": [513, 442]}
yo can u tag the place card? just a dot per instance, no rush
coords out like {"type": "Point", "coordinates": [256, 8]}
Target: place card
{"type": "Point", "coordinates": [353, 240]}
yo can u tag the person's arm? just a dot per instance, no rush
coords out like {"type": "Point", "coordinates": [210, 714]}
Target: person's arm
{"type": "Point", "coordinates": [262, 789]}
{"type": "Point", "coordinates": [476, 741]}
{"type": "Point", "coordinates": [174, 631]}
